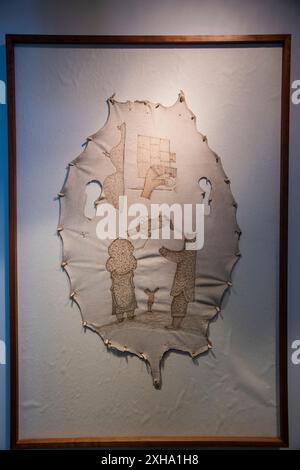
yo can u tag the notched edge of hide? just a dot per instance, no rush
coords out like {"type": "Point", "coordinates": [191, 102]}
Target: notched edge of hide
{"type": "Point", "coordinates": [155, 361]}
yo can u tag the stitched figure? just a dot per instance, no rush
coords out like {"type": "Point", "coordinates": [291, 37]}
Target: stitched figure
{"type": "Point", "coordinates": [151, 298]}
{"type": "Point", "coordinates": [121, 265]}
{"type": "Point", "coordinates": [183, 288]}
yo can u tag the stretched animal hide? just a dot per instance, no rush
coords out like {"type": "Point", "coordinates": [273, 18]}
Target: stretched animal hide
{"type": "Point", "coordinates": [148, 296]}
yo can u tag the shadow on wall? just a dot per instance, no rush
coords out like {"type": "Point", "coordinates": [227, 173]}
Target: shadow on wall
{"type": "Point", "coordinates": [4, 324]}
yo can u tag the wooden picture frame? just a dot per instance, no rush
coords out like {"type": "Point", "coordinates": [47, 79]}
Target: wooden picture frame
{"type": "Point", "coordinates": [283, 41]}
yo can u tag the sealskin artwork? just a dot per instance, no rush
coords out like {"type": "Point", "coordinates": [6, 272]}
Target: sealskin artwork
{"type": "Point", "coordinates": [148, 295]}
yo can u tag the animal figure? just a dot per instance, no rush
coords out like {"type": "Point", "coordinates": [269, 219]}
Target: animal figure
{"type": "Point", "coordinates": [151, 298]}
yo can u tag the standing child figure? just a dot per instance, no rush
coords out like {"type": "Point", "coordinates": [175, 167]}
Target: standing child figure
{"type": "Point", "coordinates": [121, 265]}
{"type": "Point", "coordinates": [151, 298]}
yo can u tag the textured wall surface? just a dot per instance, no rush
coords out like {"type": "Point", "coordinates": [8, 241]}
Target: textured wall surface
{"type": "Point", "coordinates": [222, 391]}
{"type": "Point", "coordinates": [168, 17]}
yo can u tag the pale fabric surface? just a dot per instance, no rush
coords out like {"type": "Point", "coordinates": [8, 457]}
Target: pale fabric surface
{"type": "Point", "coordinates": [111, 156]}
{"type": "Point", "coordinates": [70, 385]}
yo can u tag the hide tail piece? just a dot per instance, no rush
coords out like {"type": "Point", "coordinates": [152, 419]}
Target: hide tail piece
{"type": "Point", "coordinates": [154, 363]}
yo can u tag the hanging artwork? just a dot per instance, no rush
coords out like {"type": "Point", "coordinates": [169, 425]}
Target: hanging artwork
{"type": "Point", "coordinates": [148, 239]}
{"type": "Point", "coordinates": [143, 281]}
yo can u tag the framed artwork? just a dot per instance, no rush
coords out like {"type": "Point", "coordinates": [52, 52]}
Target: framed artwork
{"type": "Point", "coordinates": [148, 240]}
